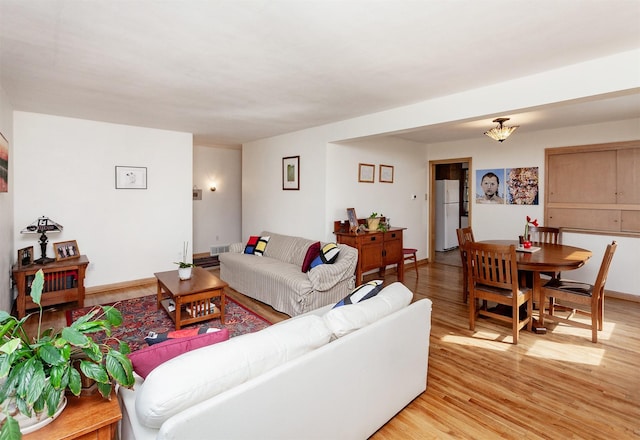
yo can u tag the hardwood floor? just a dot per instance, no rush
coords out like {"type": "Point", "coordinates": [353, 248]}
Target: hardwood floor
{"type": "Point", "coordinates": [480, 386]}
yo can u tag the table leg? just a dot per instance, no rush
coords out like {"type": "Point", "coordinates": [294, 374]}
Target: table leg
{"type": "Point", "coordinates": [222, 305]}
{"type": "Point", "coordinates": [159, 294]}
{"type": "Point", "coordinates": [537, 293]}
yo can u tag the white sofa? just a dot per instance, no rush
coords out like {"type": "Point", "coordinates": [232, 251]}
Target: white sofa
{"type": "Point", "coordinates": [277, 278]}
{"type": "Point", "coordinates": [295, 379]}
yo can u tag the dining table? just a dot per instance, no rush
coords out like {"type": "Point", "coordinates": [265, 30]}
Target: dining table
{"type": "Point", "coordinates": [545, 257]}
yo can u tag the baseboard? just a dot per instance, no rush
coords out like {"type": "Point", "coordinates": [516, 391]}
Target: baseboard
{"type": "Point", "coordinates": [118, 286]}
{"type": "Point", "coordinates": [621, 295]}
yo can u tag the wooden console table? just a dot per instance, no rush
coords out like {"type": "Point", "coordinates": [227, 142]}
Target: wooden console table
{"type": "Point", "coordinates": [376, 249]}
{"type": "Point", "coordinates": [84, 418]}
{"type": "Point", "coordinates": [64, 282]}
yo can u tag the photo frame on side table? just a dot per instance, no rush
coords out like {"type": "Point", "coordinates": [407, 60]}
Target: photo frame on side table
{"type": "Point", "coordinates": [66, 250]}
{"type": "Point", "coordinates": [131, 177]}
{"type": "Point", "coordinates": [291, 173]}
{"type": "Point", "coordinates": [386, 174]}
{"type": "Point", "coordinates": [366, 172]}
{"type": "Point", "coordinates": [353, 219]}
{"type": "Point", "coordinates": [25, 256]}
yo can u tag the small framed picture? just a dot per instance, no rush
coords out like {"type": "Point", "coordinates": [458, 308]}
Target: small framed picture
{"type": "Point", "coordinates": [353, 219]}
{"type": "Point", "coordinates": [25, 256]}
{"type": "Point", "coordinates": [66, 250]}
{"type": "Point", "coordinates": [386, 174]}
{"type": "Point", "coordinates": [197, 194]}
{"type": "Point", "coordinates": [131, 177]}
{"type": "Point", "coordinates": [366, 172]}
{"type": "Point", "coordinates": [291, 173]}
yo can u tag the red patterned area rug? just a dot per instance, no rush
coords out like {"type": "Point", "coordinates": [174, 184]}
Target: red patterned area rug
{"type": "Point", "coordinates": [141, 315]}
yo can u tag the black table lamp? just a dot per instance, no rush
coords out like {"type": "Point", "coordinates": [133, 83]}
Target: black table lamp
{"type": "Point", "coordinates": [41, 226]}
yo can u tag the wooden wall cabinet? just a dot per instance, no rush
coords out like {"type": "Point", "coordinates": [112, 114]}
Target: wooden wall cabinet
{"type": "Point", "coordinates": [594, 187]}
{"type": "Point", "coordinates": [376, 249]}
{"type": "Point", "coordinates": [64, 282]}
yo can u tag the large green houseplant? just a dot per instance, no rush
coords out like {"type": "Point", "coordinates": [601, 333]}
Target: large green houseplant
{"type": "Point", "coordinates": [37, 371]}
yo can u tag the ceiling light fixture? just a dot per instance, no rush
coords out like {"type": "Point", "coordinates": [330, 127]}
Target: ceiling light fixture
{"type": "Point", "coordinates": [500, 133]}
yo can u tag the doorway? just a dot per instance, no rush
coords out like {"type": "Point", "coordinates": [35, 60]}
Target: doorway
{"type": "Point", "coordinates": [456, 170]}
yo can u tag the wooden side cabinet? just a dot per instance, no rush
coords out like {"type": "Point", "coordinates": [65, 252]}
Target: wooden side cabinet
{"type": "Point", "coordinates": [376, 250]}
{"type": "Point", "coordinates": [64, 282]}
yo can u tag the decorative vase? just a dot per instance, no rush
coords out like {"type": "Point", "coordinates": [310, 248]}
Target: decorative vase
{"type": "Point", "coordinates": [372, 223]}
{"type": "Point", "coordinates": [184, 273]}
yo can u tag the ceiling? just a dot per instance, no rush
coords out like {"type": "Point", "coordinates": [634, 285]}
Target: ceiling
{"type": "Point", "coordinates": [233, 71]}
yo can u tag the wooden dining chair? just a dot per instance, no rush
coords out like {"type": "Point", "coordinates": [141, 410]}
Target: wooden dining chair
{"type": "Point", "coordinates": [589, 296]}
{"type": "Point", "coordinates": [465, 235]}
{"type": "Point", "coordinates": [544, 234]}
{"type": "Point", "coordinates": [494, 278]}
{"type": "Point", "coordinates": [541, 234]}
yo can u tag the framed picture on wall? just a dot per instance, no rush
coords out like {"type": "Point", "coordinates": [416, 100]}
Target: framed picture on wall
{"type": "Point", "coordinates": [291, 173]}
{"type": "Point", "coordinates": [131, 177]}
{"type": "Point", "coordinates": [386, 174]}
{"type": "Point", "coordinates": [366, 172]}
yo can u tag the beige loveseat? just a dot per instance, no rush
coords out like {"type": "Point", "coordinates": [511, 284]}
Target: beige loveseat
{"type": "Point", "coordinates": [277, 278]}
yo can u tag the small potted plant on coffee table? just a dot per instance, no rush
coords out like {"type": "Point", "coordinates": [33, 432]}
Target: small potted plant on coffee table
{"type": "Point", "coordinates": [184, 268]}
{"type": "Point", "coordinates": [36, 372]}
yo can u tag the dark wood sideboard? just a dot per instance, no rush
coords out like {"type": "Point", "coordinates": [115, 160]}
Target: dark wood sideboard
{"type": "Point", "coordinates": [376, 249]}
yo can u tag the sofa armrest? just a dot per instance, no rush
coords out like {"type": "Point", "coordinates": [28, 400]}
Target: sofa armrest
{"type": "Point", "coordinates": [237, 248]}
{"type": "Point", "coordinates": [325, 276]}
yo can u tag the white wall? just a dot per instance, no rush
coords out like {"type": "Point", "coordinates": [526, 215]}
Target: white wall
{"type": "Point", "coordinates": [217, 218]}
{"type": "Point", "coordinates": [265, 206]}
{"type": "Point", "coordinates": [64, 168]}
{"type": "Point", "coordinates": [394, 200]}
{"type": "Point", "coordinates": [527, 150]}
{"type": "Point", "coordinates": [7, 249]}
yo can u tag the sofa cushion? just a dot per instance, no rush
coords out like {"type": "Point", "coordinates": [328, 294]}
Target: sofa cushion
{"type": "Point", "coordinates": [329, 253]}
{"type": "Point", "coordinates": [362, 292]}
{"type": "Point", "coordinates": [312, 253]}
{"type": "Point", "coordinates": [344, 320]}
{"type": "Point", "coordinates": [250, 247]}
{"type": "Point", "coordinates": [198, 375]}
{"type": "Point", "coordinates": [261, 246]}
{"type": "Point", "coordinates": [147, 359]}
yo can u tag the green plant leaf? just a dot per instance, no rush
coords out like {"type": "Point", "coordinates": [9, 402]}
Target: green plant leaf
{"type": "Point", "coordinates": [75, 383]}
{"type": "Point", "coordinates": [10, 346]}
{"type": "Point", "coordinates": [74, 337]}
{"type": "Point", "coordinates": [123, 347]}
{"type": "Point", "coordinates": [32, 381]}
{"type": "Point", "coordinates": [55, 375]}
{"type": "Point", "coordinates": [105, 390]}
{"type": "Point", "coordinates": [53, 400]}
{"type": "Point", "coordinates": [113, 315]}
{"type": "Point", "coordinates": [51, 355]}
{"type": "Point", "coordinates": [5, 365]}
{"type": "Point", "coordinates": [94, 371]}
{"type": "Point", "coordinates": [119, 368]}
{"type": "Point", "coordinates": [10, 429]}
{"type": "Point", "coordinates": [36, 287]}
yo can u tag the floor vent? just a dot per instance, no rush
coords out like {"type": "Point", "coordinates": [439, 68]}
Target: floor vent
{"type": "Point", "coordinates": [217, 250]}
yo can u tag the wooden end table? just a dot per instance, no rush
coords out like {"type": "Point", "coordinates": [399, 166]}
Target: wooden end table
{"type": "Point", "coordinates": [192, 298]}
{"type": "Point", "coordinates": [84, 418]}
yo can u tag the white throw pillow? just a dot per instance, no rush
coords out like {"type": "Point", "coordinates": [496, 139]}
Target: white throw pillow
{"type": "Point", "coordinates": [348, 318]}
{"type": "Point", "coordinates": [198, 375]}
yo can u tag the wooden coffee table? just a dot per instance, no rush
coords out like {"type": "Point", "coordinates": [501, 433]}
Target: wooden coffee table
{"type": "Point", "coordinates": [192, 298]}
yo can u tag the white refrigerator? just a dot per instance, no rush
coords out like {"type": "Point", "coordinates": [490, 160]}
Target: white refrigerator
{"type": "Point", "coordinates": [447, 214]}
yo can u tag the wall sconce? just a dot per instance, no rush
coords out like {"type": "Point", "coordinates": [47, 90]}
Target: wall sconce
{"type": "Point", "coordinates": [213, 188]}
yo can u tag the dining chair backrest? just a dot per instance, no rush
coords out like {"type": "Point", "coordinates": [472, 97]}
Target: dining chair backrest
{"type": "Point", "coordinates": [465, 235]}
{"type": "Point", "coordinates": [493, 265]}
{"type": "Point", "coordinates": [603, 273]}
{"type": "Point", "coordinates": [544, 234]}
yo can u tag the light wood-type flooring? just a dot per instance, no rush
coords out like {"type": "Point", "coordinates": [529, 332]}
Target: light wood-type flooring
{"type": "Point", "coordinates": [479, 386]}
